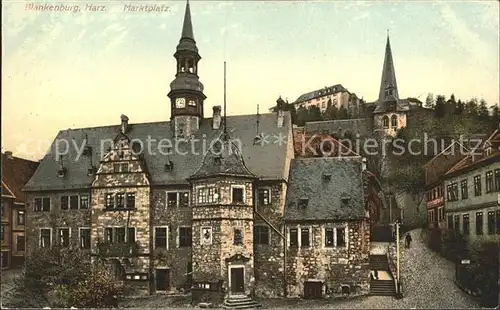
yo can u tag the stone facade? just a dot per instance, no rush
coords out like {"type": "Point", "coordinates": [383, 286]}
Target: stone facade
{"type": "Point", "coordinates": [333, 267]}
{"type": "Point", "coordinates": [389, 123]}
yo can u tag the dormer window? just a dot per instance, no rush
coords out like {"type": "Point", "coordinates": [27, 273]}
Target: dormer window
{"type": "Point", "coordinates": [303, 202]}
{"type": "Point", "coordinates": [87, 151]}
{"type": "Point", "coordinates": [327, 177]}
{"type": "Point", "coordinates": [257, 139]}
{"type": "Point", "coordinates": [217, 160]}
{"type": "Point", "coordinates": [61, 172]}
{"type": "Point", "coordinates": [487, 151]}
{"type": "Point", "coordinates": [169, 166]}
{"type": "Point", "coordinates": [345, 199]}
{"type": "Point", "coordinates": [90, 171]}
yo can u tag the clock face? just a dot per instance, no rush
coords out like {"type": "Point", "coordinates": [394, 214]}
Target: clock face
{"type": "Point", "coordinates": [180, 103]}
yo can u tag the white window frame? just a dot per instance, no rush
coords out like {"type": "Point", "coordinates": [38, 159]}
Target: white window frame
{"type": "Point", "coordinates": [244, 192]}
{"type": "Point", "coordinates": [206, 187]}
{"type": "Point", "coordinates": [299, 236]}
{"type": "Point", "coordinates": [335, 244]}
{"type": "Point", "coordinates": [58, 229]}
{"type": "Point", "coordinates": [166, 235]}
{"type": "Point", "coordinates": [40, 236]}
{"type": "Point", "coordinates": [211, 235]}
{"type": "Point", "coordinates": [80, 237]}
{"type": "Point", "coordinates": [242, 230]}
{"type": "Point", "coordinates": [270, 194]}
{"type": "Point", "coordinates": [42, 198]}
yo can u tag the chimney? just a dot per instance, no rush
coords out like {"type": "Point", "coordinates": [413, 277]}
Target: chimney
{"type": "Point", "coordinates": [216, 121]}
{"type": "Point", "coordinates": [280, 105]}
{"type": "Point", "coordinates": [8, 154]}
{"type": "Point", "coordinates": [124, 126]}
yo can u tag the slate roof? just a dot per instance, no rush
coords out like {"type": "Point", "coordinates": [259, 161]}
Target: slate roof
{"type": "Point", "coordinates": [361, 126]}
{"type": "Point", "coordinates": [16, 172]}
{"type": "Point", "coordinates": [310, 145]}
{"type": "Point", "coordinates": [223, 159]}
{"type": "Point", "coordinates": [320, 93]}
{"type": "Point", "coordinates": [324, 197]}
{"type": "Point", "coordinates": [470, 161]}
{"type": "Point", "coordinates": [267, 161]}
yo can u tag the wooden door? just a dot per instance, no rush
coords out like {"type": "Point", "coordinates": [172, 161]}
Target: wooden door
{"type": "Point", "coordinates": [237, 280]}
{"type": "Point", "coordinates": [313, 290]}
{"type": "Point", "coordinates": [162, 279]}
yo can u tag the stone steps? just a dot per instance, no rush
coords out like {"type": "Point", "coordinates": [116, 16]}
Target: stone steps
{"type": "Point", "coordinates": [382, 288]}
{"type": "Point", "coordinates": [240, 302]}
{"type": "Point", "coordinates": [379, 262]}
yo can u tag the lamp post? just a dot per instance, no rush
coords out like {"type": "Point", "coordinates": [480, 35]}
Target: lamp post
{"type": "Point", "coordinates": [398, 280]}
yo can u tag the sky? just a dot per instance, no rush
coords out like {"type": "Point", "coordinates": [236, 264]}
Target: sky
{"type": "Point", "coordinates": [65, 70]}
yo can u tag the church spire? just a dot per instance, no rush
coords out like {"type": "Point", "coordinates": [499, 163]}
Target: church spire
{"type": "Point", "coordinates": [187, 26]}
{"type": "Point", "coordinates": [388, 84]}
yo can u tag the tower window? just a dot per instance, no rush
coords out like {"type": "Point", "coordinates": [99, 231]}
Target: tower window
{"type": "Point", "coordinates": [192, 102]}
{"type": "Point", "coordinates": [385, 121]}
{"type": "Point", "coordinates": [394, 121]}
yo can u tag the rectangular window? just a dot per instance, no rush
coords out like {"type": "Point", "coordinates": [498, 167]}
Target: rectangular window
{"type": "Point", "coordinates": [237, 236]}
{"type": "Point", "coordinates": [42, 204]}
{"type": "Point", "coordinates": [110, 201]}
{"type": "Point", "coordinates": [237, 194]}
{"type": "Point", "coordinates": [261, 235]}
{"type": "Point", "coordinates": [116, 168]}
{"type": "Point", "coordinates": [497, 180]}
{"type": "Point", "coordinates": [64, 202]}
{"type": "Point", "coordinates": [84, 202]}
{"type": "Point", "coordinates": [45, 237]}
{"type": "Point", "coordinates": [341, 237]}
{"type": "Point", "coordinates": [441, 214]}
{"type": "Point", "coordinates": [20, 243]}
{"type": "Point", "coordinates": [448, 192]}
{"type": "Point", "coordinates": [120, 234]}
{"type": "Point", "coordinates": [130, 200]}
{"type": "Point", "coordinates": [124, 167]}
{"type": "Point", "coordinates": [264, 196]}
{"type": "Point", "coordinates": [120, 200]}
{"type": "Point", "coordinates": [183, 199]}
{"type": "Point", "coordinates": [479, 223]}
{"type": "Point", "coordinates": [477, 185]}
{"type": "Point", "coordinates": [161, 237]}
{"type": "Point", "coordinates": [131, 235]}
{"type": "Point", "coordinates": [454, 190]}
{"type": "Point", "coordinates": [450, 222]}
{"type": "Point", "coordinates": [63, 234]}
{"type": "Point", "coordinates": [185, 236]}
{"type": "Point", "coordinates": [294, 237]}
{"type": "Point", "coordinates": [498, 221]}
{"type": "Point", "coordinates": [305, 240]}
{"type": "Point", "coordinates": [430, 216]}
{"type": "Point", "coordinates": [73, 202]}
{"type": "Point", "coordinates": [171, 199]}
{"type": "Point", "coordinates": [1, 232]}
{"type": "Point", "coordinates": [208, 195]}
{"type": "Point", "coordinates": [491, 222]}
{"type": "Point", "coordinates": [85, 238]}
{"type": "Point", "coordinates": [206, 235]}
{"type": "Point", "coordinates": [457, 223]}
{"type": "Point", "coordinates": [329, 237]}
{"type": "Point", "coordinates": [108, 235]}
{"type": "Point", "coordinates": [489, 182]}
{"type": "Point", "coordinates": [20, 217]}
{"type": "Point", "coordinates": [466, 224]}
{"type": "Point", "coordinates": [465, 190]}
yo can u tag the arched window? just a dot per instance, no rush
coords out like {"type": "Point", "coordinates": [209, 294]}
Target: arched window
{"type": "Point", "coordinates": [385, 121]}
{"type": "Point", "coordinates": [394, 121]}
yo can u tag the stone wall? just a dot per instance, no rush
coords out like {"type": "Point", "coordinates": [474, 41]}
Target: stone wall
{"type": "Point", "coordinates": [333, 266]}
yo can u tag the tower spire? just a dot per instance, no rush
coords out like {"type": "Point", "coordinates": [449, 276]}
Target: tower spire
{"type": "Point", "coordinates": [187, 26]}
{"type": "Point", "coordinates": [388, 73]}
{"type": "Point", "coordinates": [225, 120]}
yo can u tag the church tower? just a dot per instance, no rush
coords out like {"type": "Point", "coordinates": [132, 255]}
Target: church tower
{"type": "Point", "coordinates": [390, 111]}
{"type": "Point", "coordinates": [186, 90]}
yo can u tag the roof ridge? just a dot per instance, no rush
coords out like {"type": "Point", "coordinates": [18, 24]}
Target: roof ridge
{"type": "Point", "coordinates": [7, 187]}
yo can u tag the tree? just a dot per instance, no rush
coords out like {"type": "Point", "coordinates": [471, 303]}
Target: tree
{"type": "Point", "coordinates": [343, 114]}
{"type": "Point", "coordinates": [484, 271]}
{"type": "Point", "coordinates": [440, 107]}
{"type": "Point", "coordinates": [482, 111]}
{"type": "Point", "coordinates": [495, 116]}
{"type": "Point", "coordinates": [429, 101]}
{"type": "Point", "coordinates": [331, 113]}
{"type": "Point", "coordinates": [62, 278]}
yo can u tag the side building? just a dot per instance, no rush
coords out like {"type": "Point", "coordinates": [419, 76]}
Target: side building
{"type": "Point", "coordinates": [472, 188]}
{"type": "Point", "coordinates": [16, 172]}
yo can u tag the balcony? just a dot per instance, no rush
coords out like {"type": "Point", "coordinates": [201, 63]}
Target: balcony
{"type": "Point", "coordinates": [121, 249]}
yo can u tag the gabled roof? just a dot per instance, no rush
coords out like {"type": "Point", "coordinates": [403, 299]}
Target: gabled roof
{"type": "Point", "coordinates": [455, 144]}
{"type": "Point", "coordinates": [320, 93]}
{"type": "Point", "coordinates": [16, 172]}
{"type": "Point", "coordinates": [323, 198]}
{"type": "Point", "coordinates": [361, 126]}
{"type": "Point", "coordinates": [267, 161]}
{"type": "Point", "coordinates": [477, 156]}
{"type": "Point", "coordinates": [223, 159]}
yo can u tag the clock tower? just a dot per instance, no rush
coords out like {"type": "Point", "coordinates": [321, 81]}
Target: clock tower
{"type": "Point", "coordinates": [186, 90]}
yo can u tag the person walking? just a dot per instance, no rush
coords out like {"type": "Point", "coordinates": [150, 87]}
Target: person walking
{"type": "Point", "coordinates": [408, 240]}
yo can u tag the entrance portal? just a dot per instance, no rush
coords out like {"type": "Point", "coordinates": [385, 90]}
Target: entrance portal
{"type": "Point", "coordinates": [237, 277]}
{"type": "Point", "coordinates": [163, 279]}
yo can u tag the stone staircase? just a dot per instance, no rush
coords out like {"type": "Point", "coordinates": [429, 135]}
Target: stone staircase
{"type": "Point", "coordinates": [240, 302]}
{"type": "Point", "coordinates": [384, 286]}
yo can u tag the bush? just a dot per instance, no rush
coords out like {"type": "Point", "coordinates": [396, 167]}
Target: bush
{"type": "Point", "coordinates": [435, 239]}
{"type": "Point", "coordinates": [63, 278]}
{"type": "Point", "coordinates": [484, 273]}
{"type": "Point", "coordinates": [453, 245]}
